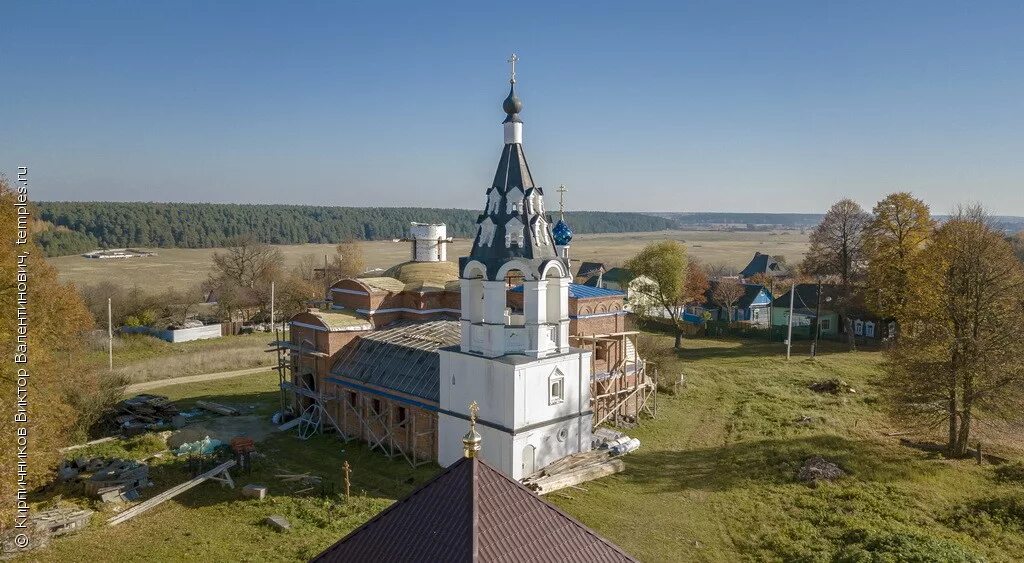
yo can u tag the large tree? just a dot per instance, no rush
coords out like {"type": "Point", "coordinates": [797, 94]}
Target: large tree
{"type": "Point", "coordinates": [348, 261]}
{"type": "Point", "coordinates": [247, 261]}
{"type": "Point", "coordinates": [659, 277]}
{"type": "Point", "coordinates": [837, 250]}
{"type": "Point", "coordinates": [961, 357]}
{"type": "Point", "coordinates": [726, 293]}
{"type": "Point", "coordinates": [695, 285]}
{"type": "Point", "coordinates": [61, 393]}
{"type": "Point", "coordinates": [898, 231]}
{"type": "Point", "coordinates": [837, 243]}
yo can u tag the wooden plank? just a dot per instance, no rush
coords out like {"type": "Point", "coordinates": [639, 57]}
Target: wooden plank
{"type": "Point", "coordinates": [168, 494]}
{"type": "Point", "coordinates": [217, 408]}
{"type": "Point", "coordinates": [87, 444]}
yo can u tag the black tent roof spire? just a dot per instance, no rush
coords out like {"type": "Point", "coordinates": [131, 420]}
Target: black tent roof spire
{"type": "Point", "coordinates": [514, 224]}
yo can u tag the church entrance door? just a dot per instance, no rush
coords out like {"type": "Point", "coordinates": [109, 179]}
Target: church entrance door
{"type": "Point", "coordinates": [529, 461]}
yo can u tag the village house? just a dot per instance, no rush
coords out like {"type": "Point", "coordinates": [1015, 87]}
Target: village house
{"type": "Point", "coordinates": [753, 307]}
{"type": "Point", "coordinates": [764, 264]}
{"type": "Point", "coordinates": [808, 304]}
{"type": "Point", "coordinates": [588, 270]}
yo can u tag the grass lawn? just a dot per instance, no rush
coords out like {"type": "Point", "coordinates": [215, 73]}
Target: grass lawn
{"type": "Point", "coordinates": [713, 481]}
{"type": "Point", "coordinates": [715, 477]}
{"type": "Point", "coordinates": [212, 523]}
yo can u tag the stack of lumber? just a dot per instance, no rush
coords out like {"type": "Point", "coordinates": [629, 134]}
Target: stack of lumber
{"type": "Point", "coordinates": [217, 408]}
{"type": "Point", "coordinates": [573, 470]}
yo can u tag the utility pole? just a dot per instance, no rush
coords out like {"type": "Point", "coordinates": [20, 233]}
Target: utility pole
{"type": "Point", "coordinates": [110, 335]}
{"type": "Point", "coordinates": [789, 336]}
{"type": "Point", "coordinates": [817, 324]}
{"type": "Point", "coordinates": [272, 317]}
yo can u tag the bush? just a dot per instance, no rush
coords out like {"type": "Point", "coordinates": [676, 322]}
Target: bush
{"type": "Point", "coordinates": [990, 517]}
{"type": "Point", "coordinates": [1010, 473]}
{"type": "Point", "coordinates": [873, 545]}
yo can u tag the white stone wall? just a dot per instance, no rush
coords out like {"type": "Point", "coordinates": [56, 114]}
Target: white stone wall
{"type": "Point", "coordinates": [517, 399]}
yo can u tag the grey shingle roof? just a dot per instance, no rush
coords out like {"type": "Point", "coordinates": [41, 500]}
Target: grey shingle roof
{"type": "Point", "coordinates": [763, 264]}
{"type": "Point", "coordinates": [588, 269]}
{"type": "Point", "coordinates": [402, 359]}
{"type": "Point", "coordinates": [473, 512]}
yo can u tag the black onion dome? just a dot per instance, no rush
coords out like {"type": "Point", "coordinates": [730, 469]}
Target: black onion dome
{"type": "Point", "coordinates": [512, 105]}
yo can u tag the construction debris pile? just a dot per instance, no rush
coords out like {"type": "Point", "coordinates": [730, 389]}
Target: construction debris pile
{"type": "Point", "coordinates": [146, 412]}
{"type": "Point", "coordinates": [616, 442]}
{"type": "Point", "coordinates": [44, 525]}
{"type": "Point", "coordinates": [109, 480]}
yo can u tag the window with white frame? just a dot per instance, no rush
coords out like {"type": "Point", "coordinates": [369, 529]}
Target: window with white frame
{"type": "Point", "coordinates": [556, 387]}
{"type": "Point", "coordinates": [825, 324]}
{"type": "Point", "coordinates": [869, 329]}
{"type": "Point", "coordinates": [858, 328]}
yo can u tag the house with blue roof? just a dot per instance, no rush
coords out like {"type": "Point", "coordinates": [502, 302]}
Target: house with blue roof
{"type": "Point", "coordinates": [752, 307]}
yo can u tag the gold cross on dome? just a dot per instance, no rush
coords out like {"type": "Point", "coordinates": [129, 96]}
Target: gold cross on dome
{"type": "Point", "coordinates": [513, 60]}
{"type": "Point", "coordinates": [561, 201]}
{"type": "Point", "coordinates": [473, 410]}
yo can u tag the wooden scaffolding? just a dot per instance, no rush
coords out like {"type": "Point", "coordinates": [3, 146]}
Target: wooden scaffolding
{"type": "Point", "coordinates": [379, 426]}
{"type": "Point", "coordinates": [623, 385]}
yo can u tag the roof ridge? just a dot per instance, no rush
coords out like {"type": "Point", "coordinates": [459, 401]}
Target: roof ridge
{"type": "Point", "coordinates": [474, 509]}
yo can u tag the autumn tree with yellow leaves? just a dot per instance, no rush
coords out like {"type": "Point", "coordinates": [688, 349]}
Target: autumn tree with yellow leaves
{"type": "Point", "coordinates": [897, 233]}
{"type": "Point", "coordinates": [58, 386]}
{"type": "Point", "coordinates": [960, 357]}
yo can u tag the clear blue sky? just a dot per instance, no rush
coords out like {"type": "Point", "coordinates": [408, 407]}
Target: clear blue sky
{"type": "Point", "coordinates": [705, 106]}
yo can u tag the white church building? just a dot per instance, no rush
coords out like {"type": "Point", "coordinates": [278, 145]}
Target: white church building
{"type": "Point", "coordinates": [407, 390]}
{"type": "Point", "coordinates": [532, 387]}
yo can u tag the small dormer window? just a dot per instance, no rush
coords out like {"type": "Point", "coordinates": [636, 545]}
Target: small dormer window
{"type": "Point", "coordinates": [556, 387]}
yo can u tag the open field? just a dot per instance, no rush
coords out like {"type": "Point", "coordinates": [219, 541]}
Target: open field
{"type": "Point", "coordinates": [139, 358]}
{"type": "Point", "coordinates": [181, 267]}
{"type": "Point", "coordinates": [713, 481]}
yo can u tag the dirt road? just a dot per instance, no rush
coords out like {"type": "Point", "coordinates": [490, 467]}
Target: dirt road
{"type": "Point", "coordinates": [148, 385]}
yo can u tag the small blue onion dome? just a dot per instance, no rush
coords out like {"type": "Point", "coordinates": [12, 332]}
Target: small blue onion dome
{"type": "Point", "coordinates": [562, 233]}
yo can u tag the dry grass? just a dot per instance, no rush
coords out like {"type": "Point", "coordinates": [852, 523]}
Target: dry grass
{"type": "Point", "coordinates": [180, 267]}
{"type": "Point", "coordinates": [140, 358]}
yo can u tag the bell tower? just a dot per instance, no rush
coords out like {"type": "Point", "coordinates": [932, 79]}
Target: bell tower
{"type": "Point", "coordinates": [534, 387]}
{"type": "Point", "coordinates": [514, 242]}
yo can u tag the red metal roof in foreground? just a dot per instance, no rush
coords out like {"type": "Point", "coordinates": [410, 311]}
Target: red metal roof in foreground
{"type": "Point", "coordinates": [473, 512]}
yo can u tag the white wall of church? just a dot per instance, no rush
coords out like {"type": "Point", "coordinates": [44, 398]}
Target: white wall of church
{"type": "Point", "coordinates": [549, 444]}
{"type": "Point", "coordinates": [534, 401]}
{"type": "Point", "coordinates": [520, 399]}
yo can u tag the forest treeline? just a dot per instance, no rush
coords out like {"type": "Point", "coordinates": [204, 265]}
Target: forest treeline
{"type": "Point", "coordinates": [81, 226]}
